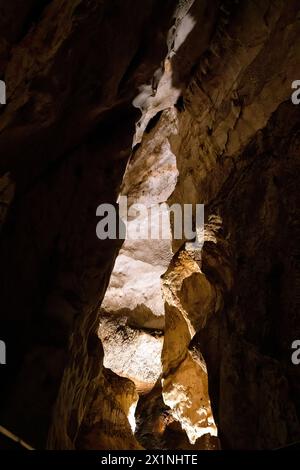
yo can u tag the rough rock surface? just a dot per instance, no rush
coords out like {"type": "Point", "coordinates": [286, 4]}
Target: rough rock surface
{"type": "Point", "coordinates": [150, 178]}
{"type": "Point", "coordinates": [66, 136]}
{"type": "Point", "coordinates": [237, 151]}
{"type": "Point", "coordinates": [107, 426]}
{"type": "Point", "coordinates": [224, 69]}
{"type": "Point", "coordinates": [259, 320]}
{"type": "Point", "coordinates": [131, 353]}
{"type": "Point", "coordinates": [190, 301]}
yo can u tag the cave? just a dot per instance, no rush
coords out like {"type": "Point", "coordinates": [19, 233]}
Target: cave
{"type": "Point", "coordinates": [154, 341]}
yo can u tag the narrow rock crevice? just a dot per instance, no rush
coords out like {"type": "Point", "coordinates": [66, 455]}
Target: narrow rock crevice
{"type": "Point", "coordinates": [147, 343]}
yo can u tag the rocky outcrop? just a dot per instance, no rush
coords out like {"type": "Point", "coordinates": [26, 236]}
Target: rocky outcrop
{"type": "Point", "coordinates": [201, 91]}
{"type": "Point", "coordinates": [259, 320]}
{"type": "Point", "coordinates": [135, 286]}
{"type": "Point", "coordinates": [131, 352]}
{"type": "Point", "coordinates": [190, 301]}
{"type": "Point", "coordinates": [236, 152]}
{"type": "Point", "coordinates": [107, 425]}
{"type": "Point", "coordinates": [70, 83]}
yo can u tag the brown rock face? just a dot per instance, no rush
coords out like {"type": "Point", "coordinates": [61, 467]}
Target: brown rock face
{"type": "Point", "coordinates": [238, 151]}
{"type": "Point", "coordinates": [66, 135]}
{"type": "Point", "coordinates": [182, 102]}
{"type": "Point", "coordinates": [259, 320]}
{"type": "Point", "coordinates": [190, 300]}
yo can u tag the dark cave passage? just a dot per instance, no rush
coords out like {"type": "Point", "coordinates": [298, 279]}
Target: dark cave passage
{"type": "Point", "coordinates": [148, 343]}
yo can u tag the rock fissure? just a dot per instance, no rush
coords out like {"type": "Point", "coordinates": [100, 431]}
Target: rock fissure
{"type": "Point", "coordinates": [147, 344]}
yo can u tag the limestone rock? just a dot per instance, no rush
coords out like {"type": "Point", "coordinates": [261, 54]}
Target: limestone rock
{"type": "Point", "coordinates": [190, 301]}
{"type": "Point", "coordinates": [202, 88]}
{"type": "Point", "coordinates": [131, 353]}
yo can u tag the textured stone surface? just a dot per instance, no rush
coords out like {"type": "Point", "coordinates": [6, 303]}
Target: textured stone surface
{"type": "Point", "coordinates": [237, 151]}
{"type": "Point", "coordinates": [107, 427]}
{"type": "Point", "coordinates": [156, 428]}
{"type": "Point", "coordinates": [66, 135]}
{"type": "Point", "coordinates": [73, 69]}
{"type": "Point", "coordinates": [131, 353]}
{"type": "Point", "coordinates": [260, 320]}
{"type": "Point", "coordinates": [135, 287]}
{"type": "Point", "coordinates": [190, 301]}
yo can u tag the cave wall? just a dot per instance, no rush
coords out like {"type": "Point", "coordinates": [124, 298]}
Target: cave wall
{"type": "Point", "coordinates": [73, 70]}
{"type": "Point", "coordinates": [66, 135]}
{"type": "Point", "coordinates": [238, 152]}
{"type": "Point", "coordinates": [257, 386]}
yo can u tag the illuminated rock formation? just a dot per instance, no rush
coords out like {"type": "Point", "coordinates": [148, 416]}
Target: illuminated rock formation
{"type": "Point", "coordinates": [177, 102]}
